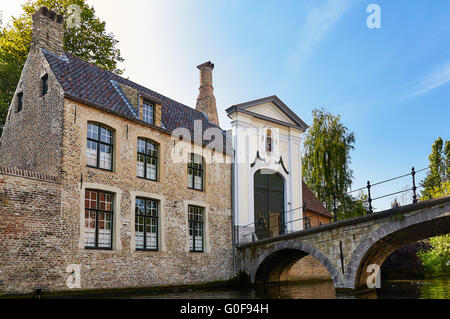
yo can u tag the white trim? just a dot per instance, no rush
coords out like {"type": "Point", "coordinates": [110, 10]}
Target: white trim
{"type": "Point", "coordinates": [161, 219]}
{"type": "Point", "coordinates": [206, 238]}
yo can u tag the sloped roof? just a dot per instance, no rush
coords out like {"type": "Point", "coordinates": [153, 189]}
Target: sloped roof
{"type": "Point", "coordinates": [275, 100]}
{"type": "Point", "coordinates": [313, 204]}
{"type": "Point", "coordinates": [91, 84]}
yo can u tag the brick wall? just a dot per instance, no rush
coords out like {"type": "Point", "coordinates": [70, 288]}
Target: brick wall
{"type": "Point", "coordinates": [32, 235]}
{"type": "Point", "coordinates": [307, 268]}
{"type": "Point", "coordinates": [32, 138]}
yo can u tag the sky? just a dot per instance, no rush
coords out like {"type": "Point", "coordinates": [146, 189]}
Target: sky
{"type": "Point", "coordinates": [390, 85]}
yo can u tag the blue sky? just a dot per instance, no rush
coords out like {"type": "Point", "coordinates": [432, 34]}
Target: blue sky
{"type": "Point", "coordinates": [390, 85]}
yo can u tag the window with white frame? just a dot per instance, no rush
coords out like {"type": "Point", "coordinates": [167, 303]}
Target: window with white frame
{"type": "Point", "coordinates": [146, 224]}
{"type": "Point", "coordinates": [99, 150]}
{"type": "Point", "coordinates": [148, 112]}
{"type": "Point", "coordinates": [98, 220]}
{"type": "Point", "coordinates": [147, 159]}
{"type": "Point", "coordinates": [195, 172]}
{"type": "Point", "coordinates": [196, 228]}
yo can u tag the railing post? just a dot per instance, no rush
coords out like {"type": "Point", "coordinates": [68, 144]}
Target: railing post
{"type": "Point", "coordinates": [413, 173]}
{"type": "Point", "coordinates": [304, 215]}
{"type": "Point", "coordinates": [334, 207]}
{"type": "Point", "coordinates": [370, 198]}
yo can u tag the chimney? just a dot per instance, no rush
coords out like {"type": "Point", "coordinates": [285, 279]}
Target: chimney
{"type": "Point", "coordinates": [206, 102]}
{"type": "Point", "coordinates": [48, 31]}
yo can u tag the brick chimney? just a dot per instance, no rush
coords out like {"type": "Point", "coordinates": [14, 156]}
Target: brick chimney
{"type": "Point", "coordinates": [48, 31]}
{"type": "Point", "coordinates": [206, 102]}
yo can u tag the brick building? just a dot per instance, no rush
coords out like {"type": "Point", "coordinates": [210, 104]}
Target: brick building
{"type": "Point", "coordinates": [117, 205]}
{"type": "Point", "coordinates": [314, 210]}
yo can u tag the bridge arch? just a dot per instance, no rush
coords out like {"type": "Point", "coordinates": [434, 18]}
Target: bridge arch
{"type": "Point", "coordinates": [273, 262]}
{"type": "Point", "coordinates": [380, 243]}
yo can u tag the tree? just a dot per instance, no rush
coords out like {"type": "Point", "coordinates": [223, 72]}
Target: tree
{"type": "Point", "coordinates": [88, 40]}
{"type": "Point", "coordinates": [439, 167]}
{"type": "Point", "coordinates": [326, 163]}
{"type": "Point", "coordinates": [436, 259]}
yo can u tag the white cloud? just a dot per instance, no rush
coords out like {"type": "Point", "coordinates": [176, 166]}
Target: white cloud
{"type": "Point", "coordinates": [439, 76]}
{"type": "Point", "coordinates": [318, 22]}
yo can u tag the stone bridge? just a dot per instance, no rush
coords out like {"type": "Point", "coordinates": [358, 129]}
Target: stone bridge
{"type": "Point", "coordinates": [346, 248]}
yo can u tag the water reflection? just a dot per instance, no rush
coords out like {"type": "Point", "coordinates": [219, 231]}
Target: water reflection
{"type": "Point", "coordinates": [437, 288]}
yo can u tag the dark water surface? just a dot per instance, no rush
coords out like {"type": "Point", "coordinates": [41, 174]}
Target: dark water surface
{"type": "Point", "coordinates": [436, 288]}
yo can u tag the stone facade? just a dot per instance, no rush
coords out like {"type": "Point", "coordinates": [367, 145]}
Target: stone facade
{"type": "Point", "coordinates": [124, 266]}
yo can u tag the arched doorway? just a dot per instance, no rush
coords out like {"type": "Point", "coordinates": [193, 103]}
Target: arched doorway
{"type": "Point", "coordinates": [268, 203]}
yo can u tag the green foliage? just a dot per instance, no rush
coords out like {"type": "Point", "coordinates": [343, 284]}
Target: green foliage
{"type": "Point", "coordinates": [439, 168]}
{"type": "Point", "coordinates": [89, 41]}
{"type": "Point", "coordinates": [436, 261]}
{"type": "Point", "coordinates": [326, 163]}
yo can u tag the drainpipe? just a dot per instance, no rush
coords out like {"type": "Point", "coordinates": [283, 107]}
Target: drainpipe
{"type": "Point", "coordinates": [233, 239]}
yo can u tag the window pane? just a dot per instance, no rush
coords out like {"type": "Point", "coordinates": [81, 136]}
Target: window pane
{"type": "Point", "coordinates": [152, 208]}
{"type": "Point", "coordinates": [139, 232]}
{"type": "Point", "coordinates": [105, 135]}
{"type": "Point", "coordinates": [105, 202]}
{"type": "Point", "coordinates": [90, 200]}
{"type": "Point", "coordinates": [104, 230]}
{"type": "Point", "coordinates": [190, 178]}
{"type": "Point", "coordinates": [198, 180]}
{"type": "Point", "coordinates": [140, 204]}
{"type": "Point", "coordinates": [105, 157]}
{"type": "Point", "coordinates": [89, 229]}
{"type": "Point", "coordinates": [151, 168]}
{"type": "Point", "coordinates": [141, 146]}
{"type": "Point", "coordinates": [92, 132]}
{"type": "Point", "coordinates": [91, 153]}
{"type": "Point", "coordinates": [140, 165]}
{"type": "Point", "coordinates": [148, 112]}
{"type": "Point", "coordinates": [152, 149]}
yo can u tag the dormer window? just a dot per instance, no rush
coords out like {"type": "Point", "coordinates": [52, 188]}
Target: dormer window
{"type": "Point", "coordinates": [19, 101]}
{"type": "Point", "coordinates": [44, 84]}
{"type": "Point", "coordinates": [148, 112]}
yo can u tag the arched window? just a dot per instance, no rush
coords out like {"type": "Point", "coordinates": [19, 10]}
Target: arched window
{"type": "Point", "coordinates": [99, 151]}
{"type": "Point", "coordinates": [147, 159]}
{"type": "Point", "coordinates": [195, 172]}
{"type": "Point", "coordinates": [269, 141]}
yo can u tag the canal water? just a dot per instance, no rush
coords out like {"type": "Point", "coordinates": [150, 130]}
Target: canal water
{"type": "Point", "coordinates": [435, 288]}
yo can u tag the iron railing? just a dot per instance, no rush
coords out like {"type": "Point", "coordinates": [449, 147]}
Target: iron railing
{"type": "Point", "coordinates": [281, 228]}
